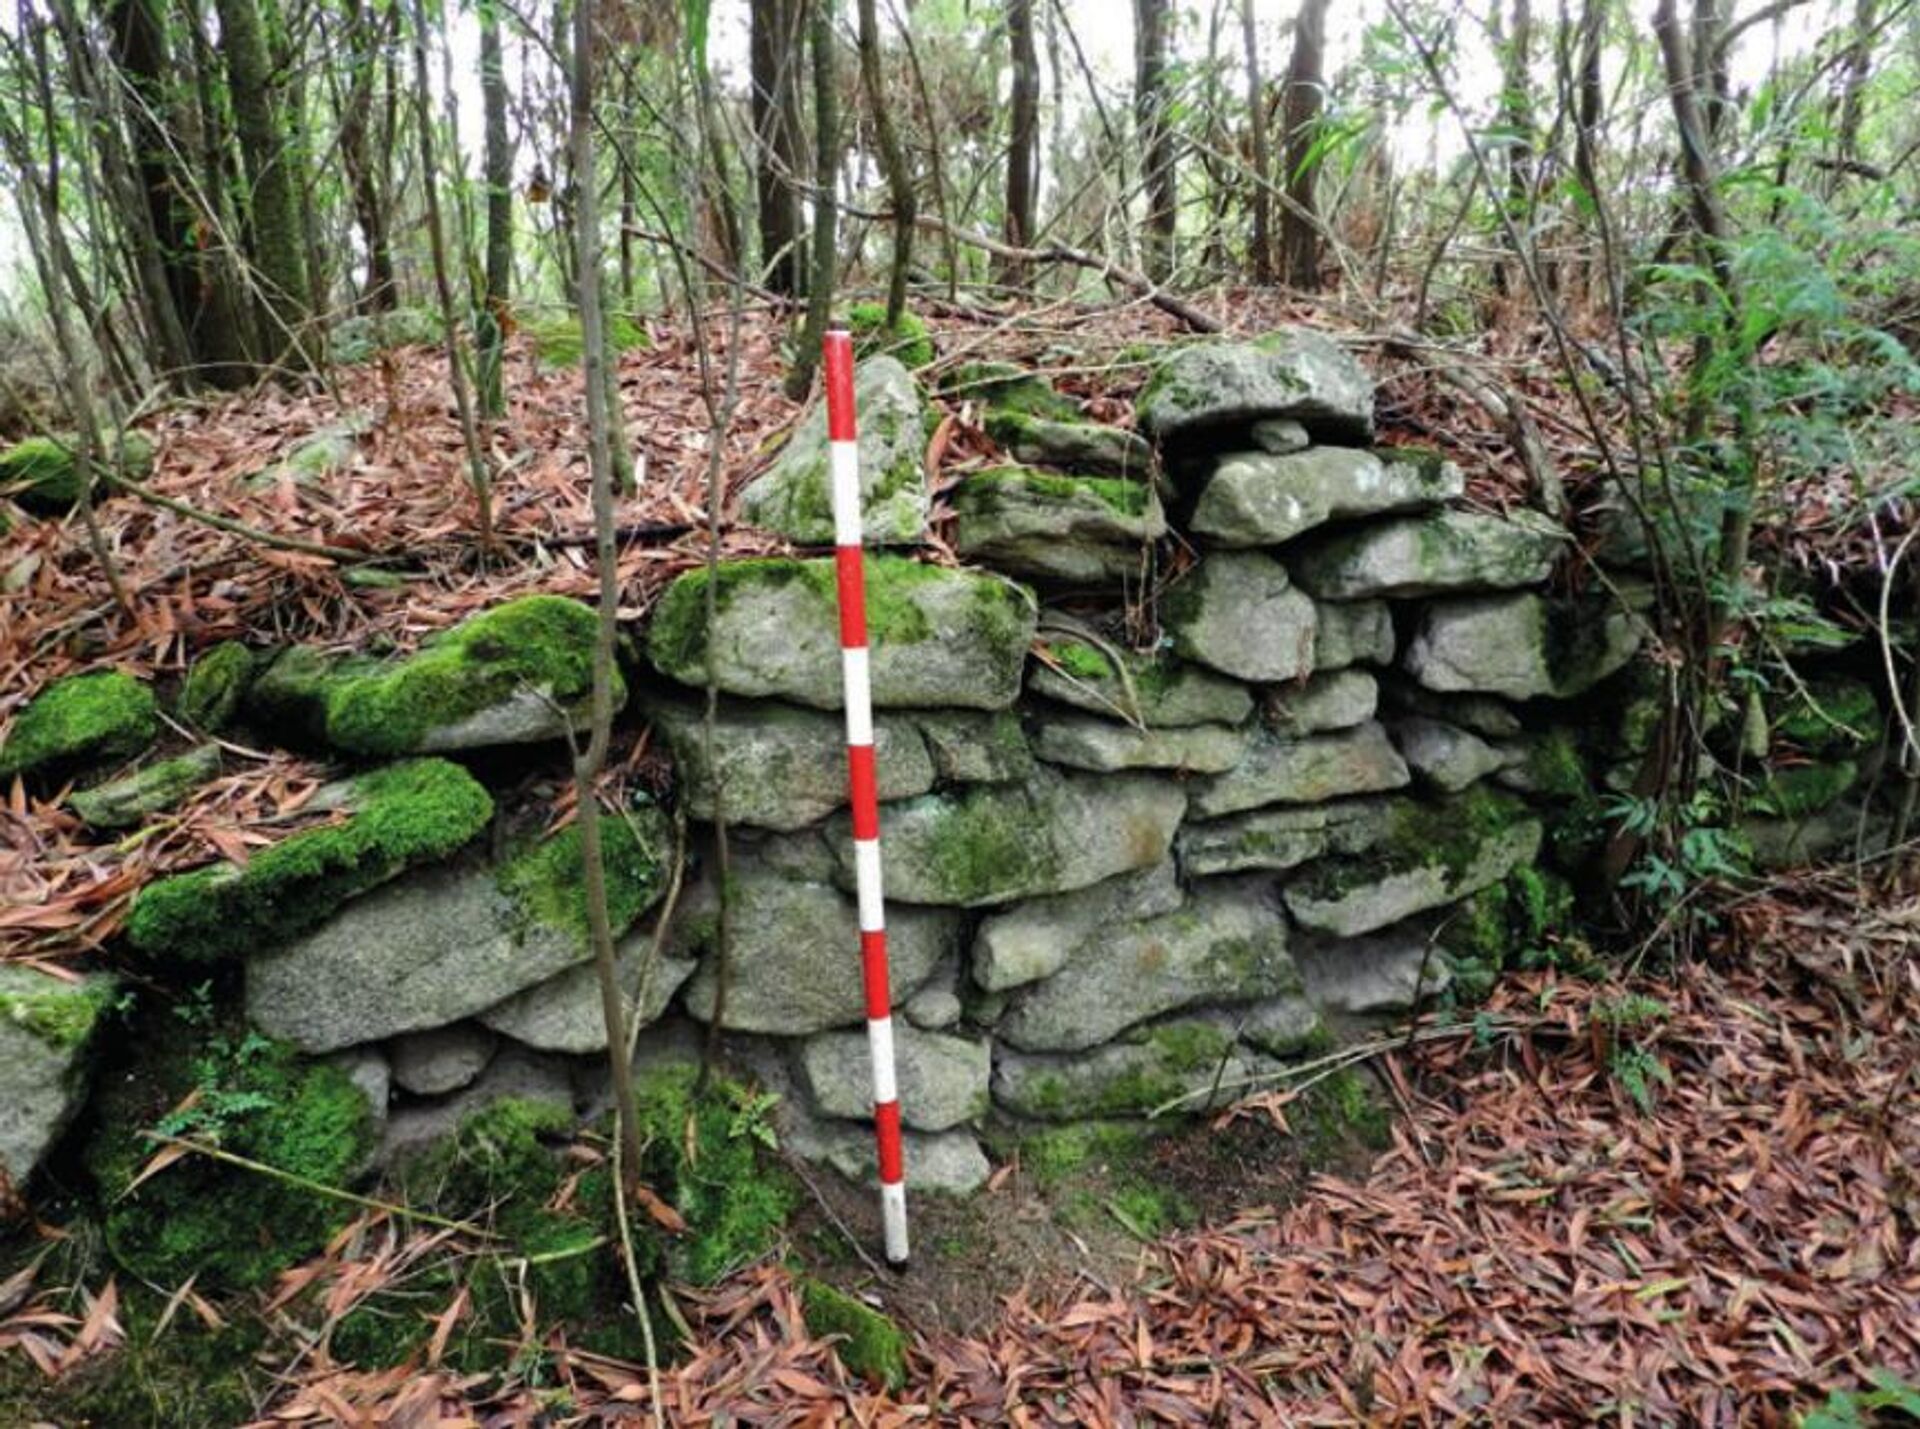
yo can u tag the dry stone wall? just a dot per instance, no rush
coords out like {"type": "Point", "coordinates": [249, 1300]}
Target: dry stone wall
{"type": "Point", "coordinates": [1224, 732]}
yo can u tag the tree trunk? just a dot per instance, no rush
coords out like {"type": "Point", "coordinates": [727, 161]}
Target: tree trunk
{"type": "Point", "coordinates": [1859, 62]}
{"type": "Point", "coordinates": [1262, 157]}
{"type": "Point", "coordinates": [275, 240]}
{"type": "Point", "coordinates": [1516, 118]}
{"type": "Point", "coordinates": [1588, 112]}
{"type": "Point", "coordinates": [826, 205]}
{"type": "Point", "coordinates": [1150, 24]}
{"type": "Point", "coordinates": [1301, 106]}
{"type": "Point", "coordinates": [894, 156]}
{"type": "Point", "coordinates": [498, 165]}
{"type": "Point", "coordinates": [1023, 135]}
{"type": "Point", "coordinates": [774, 45]}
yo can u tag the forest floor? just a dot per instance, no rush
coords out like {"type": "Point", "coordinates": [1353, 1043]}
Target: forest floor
{"type": "Point", "coordinates": [1690, 1197]}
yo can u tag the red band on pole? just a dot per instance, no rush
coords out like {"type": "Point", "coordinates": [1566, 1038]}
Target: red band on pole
{"type": "Point", "coordinates": [837, 349]}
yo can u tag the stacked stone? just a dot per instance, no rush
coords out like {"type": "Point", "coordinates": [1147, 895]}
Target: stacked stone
{"type": "Point", "coordinates": [1122, 883]}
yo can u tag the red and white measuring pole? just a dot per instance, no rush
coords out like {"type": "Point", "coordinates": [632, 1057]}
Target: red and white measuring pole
{"type": "Point", "coordinates": [851, 583]}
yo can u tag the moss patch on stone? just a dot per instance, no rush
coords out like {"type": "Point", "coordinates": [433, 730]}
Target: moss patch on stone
{"type": "Point", "coordinates": [677, 636]}
{"type": "Point", "coordinates": [42, 474]}
{"type": "Point", "coordinates": [906, 341]}
{"type": "Point", "coordinates": [215, 686]}
{"type": "Point", "coordinates": [1447, 834]}
{"type": "Point", "coordinates": [124, 803]}
{"type": "Point", "coordinates": [1129, 498]}
{"type": "Point", "coordinates": [1836, 716]}
{"type": "Point", "coordinates": [1803, 789]}
{"type": "Point", "coordinates": [558, 341]}
{"type": "Point", "coordinates": [83, 719]}
{"type": "Point", "coordinates": [869, 1344]}
{"type": "Point", "coordinates": [547, 880]}
{"type": "Point", "coordinates": [407, 813]}
{"type": "Point", "coordinates": [232, 1228]}
{"type": "Point", "coordinates": [538, 642]}
{"type": "Point", "coordinates": [64, 1015]}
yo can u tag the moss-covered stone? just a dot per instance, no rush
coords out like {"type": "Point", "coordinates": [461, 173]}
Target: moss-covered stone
{"type": "Point", "coordinates": [1830, 717]}
{"type": "Point", "coordinates": [152, 790]}
{"type": "Point", "coordinates": [1083, 529]}
{"type": "Point", "coordinates": [867, 1342]}
{"type": "Point", "coordinates": [1798, 790]}
{"type": "Point", "coordinates": [61, 1014]}
{"type": "Point", "coordinates": [84, 719]}
{"type": "Point", "coordinates": [1156, 689]}
{"type": "Point", "coordinates": [939, 637]}
{"type": "Point", "coordinates": [515, 674]}
{"type": "Point", "coordinates": [230, 1227]}
{"type": "Point", "coordinates": [407, 813]}
{"type": "Point", "coordinates": [1130, 1077]}
{"type": "Point", "coordinates": [42, 474]}
{"type": "Point", "coordinates": [558, 342]}
{"type": "Point", "coordinates": [215, 686]}
{"type": "Point", "coordinates": [1430, 855]}
{"type": "Point", "coordinates": [547, 880]}
{"type": "Point", "coordinates": [906, 341]}
{"type": "Point", "coordinates": [794, 497]}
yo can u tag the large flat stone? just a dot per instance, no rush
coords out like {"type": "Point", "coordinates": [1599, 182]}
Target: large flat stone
{"type": "Point", "coordinates": [1032, 940]}
{"type": "Point", "coordinates": [947, 1163]}
{"type": "Point", "coordinates": [794, 951]}
{"type": "Point", "coordinates": [1260, 499]}
{"type": "Point", "coordinates": [1238, 613]}
{"type": "Point", "coordinates": [1520, 646]}
{"type": "Point", "coordinates": [1428, 555]}
{"type": "Point", "coordinates": [795, 495]}
{"type": "Point", "coordinates": [1225, 944]}
{"type": "Point", "coordinates": [447, 942]}
{"type": "Point", "coordinates": [1434, 855]}
{"type": "Point", "coordinates": [1157, 691]}
{"type": "Point", "coordinates": [1191, 1060]}
{"type": "Point", "coordinates": [1281, 837]}
{"type": "Point", "coordinates": [780, 766]}
{"type": "Point", "coordinates": [1296, 373]}
{"type": "Point", "coordinates": [1393, 970]}
{"type": "Point", "coordinates": [1089, 742]}
{"type": "Point", "coordinates": [942, 1079]}
{"type": "Point", "coordinates": [1047, 527]}
{"type": "Point", "coordinates": [1332, 699]}
{"type": "Point", "coordinates": [1444, 755]}
{"type": "Point", "coordinates": [938, 637]}
{"type": "Point", "coordinates": [1277, 770]}
{"type": "Point", "coordinates": [565, 1014]}
{"type": "Point", "coordinates": [993, 843]}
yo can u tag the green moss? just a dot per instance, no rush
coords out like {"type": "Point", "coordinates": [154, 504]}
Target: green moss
{"type": "Point", "coordinates": [64, 1015]}
{"type": "Point", "coordinates": [1081, 660]}
{"type": "Point", "coordinates": [1129, 498]}
{"type": "Point", "coordinates": [171, 1372]}
{"type": "Point", "coordinates": [548, 880]}
{"type": "Point", "coordinates": [538, 642]}
{"type": "Point", "coordinates": [677, 635]}
{"type": "Point", "coordinates": [83, 719]}
{"type": "Point", "coordinates": [1805, 789]}
{"type": "Point", "coordinates": [981, 845]}
{"type": "Point", "coordinates": [215, 686]}
{"type": "Point", "coordinates": [1835, 716]}
{"type": "Point", "coordinates": [1555, 768]}
{"type": "Point", "coordinates": [1448, 834]}
{"type": "Point", "coordinates": [558, 341]}
{"type": "Point", "coordinates": [1335, 1114]}
{"type": "Point", "coordinates": [42, 474]}
{"type": "Point", "coordinates": [1053, 1155]}
{"type": "Point", "coordinates": [288, 699]}
{"type": "Point", "coordinates": [230, 1227]}
{"type": "Point", "coordinates": [869, 1344]}
{"type": "Point", "coordinates": [906, 340]}
{"type": "Point", "coordinates": [406, 813]}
